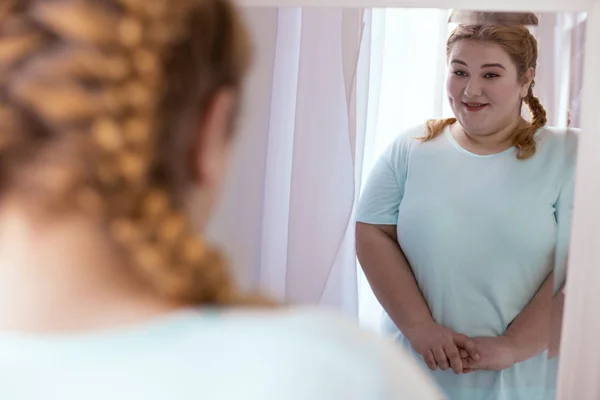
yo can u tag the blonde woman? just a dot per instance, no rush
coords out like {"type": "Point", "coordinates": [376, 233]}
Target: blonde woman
{"type": "Point", "coordinates": [113, 114]}
{"type": "Point", "coordinates": [463, 220]}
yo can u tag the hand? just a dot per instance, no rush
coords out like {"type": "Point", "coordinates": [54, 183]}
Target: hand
{"type": "Point", "coordinates": [496, 353]}
{"type": "Point", "coordinates": [440, 346]}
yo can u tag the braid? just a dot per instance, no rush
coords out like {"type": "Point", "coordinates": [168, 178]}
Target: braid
{"type": "Point", "coordinates": [539, 118]}
{"type": "Point", "coordinates": [87, 78]}
{"type": "Point", "coordinates": [434, 127]}
{"type": "Point", "coordinates": [524, 139]}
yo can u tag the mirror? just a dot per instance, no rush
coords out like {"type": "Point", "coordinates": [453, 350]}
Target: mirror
{"type": "Point", "coordinates": [455, 237]}
{"type": "Point", "coordinates": [479, 226]}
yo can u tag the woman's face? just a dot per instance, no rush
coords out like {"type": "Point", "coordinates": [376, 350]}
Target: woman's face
{"type": "Point", "coordinates": [484, 88]}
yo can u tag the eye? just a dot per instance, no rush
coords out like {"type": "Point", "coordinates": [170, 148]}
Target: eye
{"type": "Point", "coordinates": [460, 73]}
{"type": "Point", "coordinates": [491, 76]}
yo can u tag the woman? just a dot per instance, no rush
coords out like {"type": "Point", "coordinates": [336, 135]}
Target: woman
{"type": "Point", "coordinates": [463, 219]}
{"type": "Point", "coordinates": [114, 115]}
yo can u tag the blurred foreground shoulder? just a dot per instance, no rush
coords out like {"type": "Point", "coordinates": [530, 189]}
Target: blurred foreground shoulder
{"type": "Point", "coordinates": [351, 363]}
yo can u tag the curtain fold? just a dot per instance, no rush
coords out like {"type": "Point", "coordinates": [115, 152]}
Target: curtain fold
{"type": "Point", "coordinates": [302, 174]}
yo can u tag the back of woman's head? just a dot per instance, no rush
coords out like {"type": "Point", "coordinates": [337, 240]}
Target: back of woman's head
{"type": "Point", "coordinates": [510, 32]}
{"type": "Point", "coordinates": [98, 105]}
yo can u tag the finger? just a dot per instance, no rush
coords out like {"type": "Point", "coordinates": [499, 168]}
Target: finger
{"type": "Point", "coordinates": [468, 370]}
{"type": "Point", "coordinates": [468, 344]}
{"type": "Point", "coordinates": [440, 357]}
{"type": "Point", "coordinates": [470, 363]}
{"type": "Point", "coordinates": [430, 360]}
{"type": "Point", "coordinates": [464, 354]}
{"type": "Point", "coordinates": [454, 357]}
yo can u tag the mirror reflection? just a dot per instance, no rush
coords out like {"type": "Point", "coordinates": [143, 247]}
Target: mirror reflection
{"type": "Point", "coordinates": [413, 168]}
{"type": "Point", "coordinates": [463, 219]}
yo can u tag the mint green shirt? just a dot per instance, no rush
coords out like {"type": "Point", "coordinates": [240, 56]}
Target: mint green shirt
{"type": "Point", "coordinates": [481, 234]}
{"type": "Point", "coordinates": [233, 355]}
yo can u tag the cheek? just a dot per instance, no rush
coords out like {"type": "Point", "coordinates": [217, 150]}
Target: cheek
{"type": "Point", "coordinates": [504, 93]}
{"type": "Point", "coordinates": [454, 86]}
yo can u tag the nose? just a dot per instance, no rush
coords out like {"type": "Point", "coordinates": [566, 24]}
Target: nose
{"type": "Point", "coordinates": [473, 89]}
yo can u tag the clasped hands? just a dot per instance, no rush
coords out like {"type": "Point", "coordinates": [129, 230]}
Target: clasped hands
{"type": "Point", "coordinates": [443, 348]}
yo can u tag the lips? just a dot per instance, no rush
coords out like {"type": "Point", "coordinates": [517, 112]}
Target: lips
{"type": "Point", "coordinates": [475, 106]}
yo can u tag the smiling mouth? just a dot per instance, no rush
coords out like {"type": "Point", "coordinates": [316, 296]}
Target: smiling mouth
{"type": "Point", "coordinates": [475, 106]}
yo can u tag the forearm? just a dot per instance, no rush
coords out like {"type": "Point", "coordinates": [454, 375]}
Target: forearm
{"type": "Point", "coordinates": [391, 277]}
{"type": "Point", "coordinates": [556, 329]}
{"type": "Point", "coordinates": [531, 331]}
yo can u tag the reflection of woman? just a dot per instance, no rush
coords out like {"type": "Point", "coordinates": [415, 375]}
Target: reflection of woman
{"type": "Point", "coordinates": [111, 113]}
{"type": "Point", "coordinates": [480, 206]}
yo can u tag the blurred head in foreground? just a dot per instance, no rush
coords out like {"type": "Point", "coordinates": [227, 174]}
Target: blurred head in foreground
{"type": "Point", "coordinates": [112, 114]}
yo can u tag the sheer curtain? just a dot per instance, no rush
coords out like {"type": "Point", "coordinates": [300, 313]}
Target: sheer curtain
{"type": "Point", "coordinates": [286, 216]}
{"type": "Point", "coordinates": [409, 65]}
{"type": "Point", "coordinates": [411, 69]}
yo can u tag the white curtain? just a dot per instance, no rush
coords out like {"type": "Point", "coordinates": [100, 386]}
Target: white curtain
{"type": "Point", "coordinates": [560, 65]}
{"type": "Point", "coordinates": [286, 217]}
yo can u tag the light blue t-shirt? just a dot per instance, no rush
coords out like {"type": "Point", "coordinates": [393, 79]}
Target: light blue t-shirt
{"type": "Point", "coordinates": [217, 355]}
{"type": "Point", "coordinates": [481, 234]}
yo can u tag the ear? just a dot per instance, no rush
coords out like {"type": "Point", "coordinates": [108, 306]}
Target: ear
{"type": "Point", "coordinates": [210, 150]}
{"type": "Point", "coordinates": [527, 81]}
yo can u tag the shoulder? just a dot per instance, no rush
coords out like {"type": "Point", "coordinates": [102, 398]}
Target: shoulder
{"type": "Point", "coordinates": [292, 354]}
{"type": "Point", "coordinates": [410, 136]}
{"type": "Point", "coordinates": [560, 140]}
{"type": "Point", "coordinates": [406, 140]}
{"type": "Point", "coordinates": [331, 350]}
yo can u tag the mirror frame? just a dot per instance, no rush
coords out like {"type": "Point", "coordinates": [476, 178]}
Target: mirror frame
{"type": "Point", "coordinates": [578, 369]}
{"type": "Point", "coordinates": [505, 5]}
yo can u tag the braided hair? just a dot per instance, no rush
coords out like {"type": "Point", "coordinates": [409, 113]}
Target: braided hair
{"type": "Point", "coordinates": [511, 33]}
{"type": "Point", "coordinates": [98, 101]}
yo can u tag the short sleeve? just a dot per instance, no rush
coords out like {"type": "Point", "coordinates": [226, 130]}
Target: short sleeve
{"type": "Point", "coordinates": [564, 211]}
{"type": "Point", "coordinates": [384, 188]}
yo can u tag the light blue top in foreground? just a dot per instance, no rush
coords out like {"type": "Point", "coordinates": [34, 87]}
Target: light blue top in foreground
{"type": "Point", "coordinates": [481, 234]}
{"type": "Point", "coordinates": [233, 355]}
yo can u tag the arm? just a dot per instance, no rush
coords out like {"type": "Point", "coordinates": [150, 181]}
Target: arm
{"type": "Point", "coordinates": [388, 271]}
{"type": "Point", "coordinates": [538, 326]}
{"type": "Point", "coordinates": [390, 276]}
{"type": "Point", "coordinates": [534, 330]}
{"type": "Point", "coordinates": [539, 322]}
{"type": "Point", "coordinates": [380, 256]}
{"type": "Point", "coordinates": [556, 328]}
{"type": "Point", "coordinates": [394, 285]}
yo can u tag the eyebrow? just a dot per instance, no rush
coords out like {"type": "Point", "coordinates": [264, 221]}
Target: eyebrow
{"type": "Point", "coordinates": [483, 66]}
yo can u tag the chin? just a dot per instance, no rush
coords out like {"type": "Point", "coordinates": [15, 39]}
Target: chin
{"type": "Point", "coordinates": [477, 129]}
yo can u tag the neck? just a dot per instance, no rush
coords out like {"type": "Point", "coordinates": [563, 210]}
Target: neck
{"type": "Point", "coordinates": [488, 143]}
{"type": "Point", "coordinates": [65, 274]}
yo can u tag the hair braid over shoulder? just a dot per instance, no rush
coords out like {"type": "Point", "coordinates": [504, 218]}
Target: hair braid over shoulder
{"type": "Point", "coordinates": [91, 96]}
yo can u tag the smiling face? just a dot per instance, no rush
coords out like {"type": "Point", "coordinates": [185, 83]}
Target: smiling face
{"type": "Point", "coordinates": [484, 87]}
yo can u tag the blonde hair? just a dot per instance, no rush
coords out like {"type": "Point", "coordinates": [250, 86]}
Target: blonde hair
{"type": "Point", "coordinates": [98, 105]}
{"type": "Point", "coordinates": [513, 36]}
